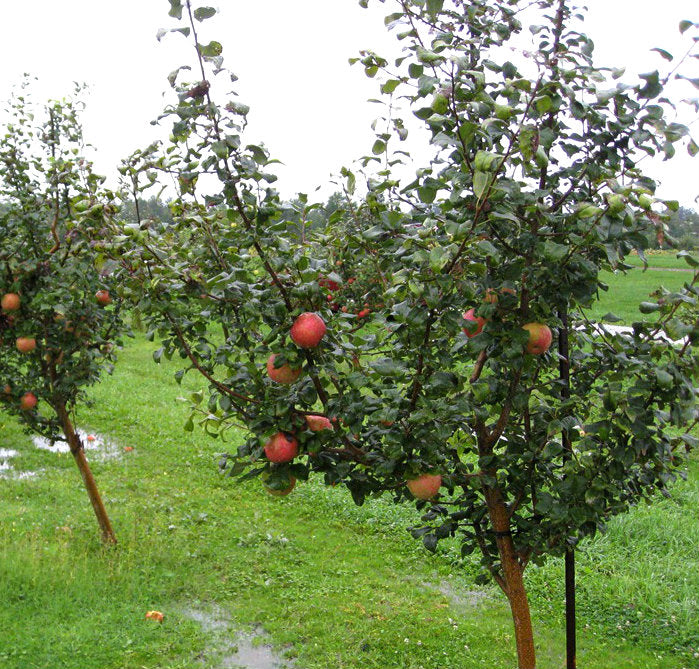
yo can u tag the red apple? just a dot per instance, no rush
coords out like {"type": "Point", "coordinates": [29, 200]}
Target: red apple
{"type": "Point", "coordinates": [425, 486]}
{"type": "Point", "coordinates": [103, 298]}
{"type": "Point", "coordinates": [10, 302]}
{"type": "Point", "coordinates": [471, 330]}
{"type": "Point", "coordinates": [324, 282]}
{"type": "Point", "coordinates": [28, 401]}
{"type": "Point", "coordinates": [540, 338]}
{"type": "Point", "coordinates": [491, 297]}
{"type": "Point", "coordinates": [308, 329]}
{"type": "Point", "coordinates": [25, 344]}
{"type": "Point", "coordinates": [285, 374]}
{"type": "Point", "coordinates": [281, 447]}
{"type": "Point", "coordinates": [284, 491]}
{"type": "Point", "coordinates": [318, 423]}
{"type": "Point", "coordinates": [363, 313]}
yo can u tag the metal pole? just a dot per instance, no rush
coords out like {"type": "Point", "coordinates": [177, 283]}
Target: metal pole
{"type": "Point", "coordinates": [564, 372]}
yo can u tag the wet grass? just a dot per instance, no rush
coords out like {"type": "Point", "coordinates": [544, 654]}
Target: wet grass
{"type": "Point", "coordinates": [332, 584]}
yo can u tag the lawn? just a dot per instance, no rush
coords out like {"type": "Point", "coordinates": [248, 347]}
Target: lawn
{"type": "Point", "coordinates": [625, 291]}
{"type": "Point", "coordinates": [330, 584]}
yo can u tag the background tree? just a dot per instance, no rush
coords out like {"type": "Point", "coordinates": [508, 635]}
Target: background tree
{"type": "Point", "coordinates": [480, 387]}
{"type": "Point", "coordinates": [58, 331]}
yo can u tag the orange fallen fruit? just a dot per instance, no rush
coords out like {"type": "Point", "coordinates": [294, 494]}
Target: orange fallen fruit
{"type": "Point", "coordinates": [128, 449]}
{"type": "Point", "coordinates": [154, 615]}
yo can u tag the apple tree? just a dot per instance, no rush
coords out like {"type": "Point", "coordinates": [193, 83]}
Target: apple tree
{"type": "Point", "coordinates": [60, 320]}
{"type": "Point", "coordinates": [481, 387]}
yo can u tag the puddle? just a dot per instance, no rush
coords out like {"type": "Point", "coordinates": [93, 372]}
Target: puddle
{"type": "Point", "coordinates": [5, 455]}
{"type": "Point", "coordinates": [458, 596]}
{"type": "Point", "coordinates": [91, 442]}
{"type": "Point", "coordinates": [94, 443]}
{"type": "Point", "coordinates": [235, 648]}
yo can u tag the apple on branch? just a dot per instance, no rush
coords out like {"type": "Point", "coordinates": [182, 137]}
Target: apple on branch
{"type": "Point", "coordinates": [285, 373]}
{"type": "Point", "coordinates": [425, 486]}
{"type": "Point", "coordinates": [103, 298]}
{"type": "Point", "coordinates": [318, 423]}
{"type": "Point", "coordinates": [308, 329]}
{"type": "Point", "coordinates": [10, 302]}
{"type": "Point", "coordinates": [475, 323]}
{"type": "Point", "coordinates": [540, 338]}
{"type": "Point", "coordinates": [28, 401]}
{"type": "Point", "coordinates": [25, 344]}
{"type": "Point", "coordinates": [281, 447]}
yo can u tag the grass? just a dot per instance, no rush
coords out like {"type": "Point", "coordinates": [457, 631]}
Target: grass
{"type": "Point", "coordinates": [627, 290]}
{"type": "Point", "coordinates": [332, 584]}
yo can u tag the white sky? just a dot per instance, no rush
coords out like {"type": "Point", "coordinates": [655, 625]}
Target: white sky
{"type": "Point", "coordinates": [308, 105]}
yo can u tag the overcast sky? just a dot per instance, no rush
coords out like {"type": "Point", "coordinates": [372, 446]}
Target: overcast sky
{"type": "Point", "coordinates": [308, 105]}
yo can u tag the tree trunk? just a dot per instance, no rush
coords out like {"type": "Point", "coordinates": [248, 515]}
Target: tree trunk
{"type": "Point", "coordinates": [78, 452]}
{"type": "Point", "coordinates": [512, 582]}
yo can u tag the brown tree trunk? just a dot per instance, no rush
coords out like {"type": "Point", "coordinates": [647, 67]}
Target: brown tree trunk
{"type": "Point", "coordinates": [512, 582]}
{"type": "Point", "coordinates": [78, 452]}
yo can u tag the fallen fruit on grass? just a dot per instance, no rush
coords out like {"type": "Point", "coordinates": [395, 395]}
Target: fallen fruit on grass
{"type": "Point", "coordinates": [10, 302]}
{"type": "Point", "coordinates": [28, 401]}
{"type": "Point", "coordinates": [25, 344]}
{"type": "Point", "coordinates": [154, 615]}
{"type": "Point", "coordinates": [284, 374]}
{"type": "Point", "coordinates": [425, 486]}
{"type": "Point", "coordinates": [318, 423]}
{"type": "Point", "coordinates": [308, 329]}
{"type": "Point", "coordinates": [540, 338]}
{"type": "Point", "coordinates": [472, 330]}
{"type": "Point", "coordinates": [281, 447]}
{"type": "Point", "coordinates": [128, 449]}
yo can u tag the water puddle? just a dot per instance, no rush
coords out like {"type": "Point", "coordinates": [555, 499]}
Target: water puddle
{"type": "Point", "coordinates": [102, 447]}
{"type": "Point", "coordinates": [94, 444]}
{"type": "Point", "coordinates": [235, 648]}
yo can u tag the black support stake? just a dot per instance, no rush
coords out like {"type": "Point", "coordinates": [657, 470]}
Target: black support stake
{"type": "Point", "coordinates": [564, 373]}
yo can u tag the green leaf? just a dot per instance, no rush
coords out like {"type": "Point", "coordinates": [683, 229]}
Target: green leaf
{"type": "Point", "coordinates": [203, 13]}
{"type": "Point", "coordinates": [480, 183]}
{"type": "Point", "coordinates": [434, 6]}
{"type": "Point", "coordinates": [427, 194]}
{"type": "Point", "coordinates": [665, 54]}
{"type": "Point", "coordinates": [211, 50]}
{"type": "Point", "coordinates": [648, 307]}
{"type": "Point", "coordinates": [664, 379]}
{"type": "Point", "coordinates": [685, 25]}
{"type": "Point", "coordinates": [389, 86]}
{"type": "Point", "coordinates": [175, 9]}
{"type": "Point", "coordinates": [379, 147]}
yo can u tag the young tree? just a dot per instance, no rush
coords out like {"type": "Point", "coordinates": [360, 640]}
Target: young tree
{"type": "Point", "coordinates": [58, 331]}
{"type": "Point", "coordinates": [480, 387]}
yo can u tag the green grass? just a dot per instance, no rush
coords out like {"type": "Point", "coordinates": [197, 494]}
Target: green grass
{"type": "Point", "coordinates": [663, 259]}
{"type": "Point", "coordinates": [626, 291]}
{"type": "Point", "coordinates": [332, 584]}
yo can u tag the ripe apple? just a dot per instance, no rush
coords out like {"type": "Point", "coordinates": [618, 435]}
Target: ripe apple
{"type": "Point", "coordinates": [28, 401]}
{"type": "Point", "coordinates": [308, 329]}
{"type": "Point", "coordinates": [284, 374]}
{"type": "Point", "coordinates": [540, 338]}
{"type": "Point", "coordinates": [318, 423]}
{"type": "Point", "coordinates": [10, 302]}
{"type": "Point", "coordinates": [331, 285]}
{"type": "Point", "coordinates": [103, 298]}
{"type": "Point", "coordinates": [471, 330]}
{"type": "Point", "coordinates": [363, 313]}
{"type": "Point", "coordinates": [491, 297]}
{"type": "Point", "coordinates": [281, 447]}
{"type": "Point", "coordinates": [425, 486]}
{"type": "Point", "coordinates": [25, 344]}
{"type": "Point", "coordinates": [284, 491]}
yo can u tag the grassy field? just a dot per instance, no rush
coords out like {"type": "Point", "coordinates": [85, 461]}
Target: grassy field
{"type": "Point", "coordinates": [329, 583]}
{"type": "Point", "coordinates": [627, 290]}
